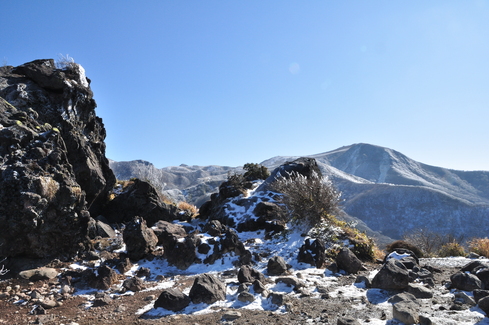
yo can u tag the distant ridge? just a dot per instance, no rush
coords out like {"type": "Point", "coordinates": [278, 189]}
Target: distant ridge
{"type": "Point", "coordinates": [391, 193]}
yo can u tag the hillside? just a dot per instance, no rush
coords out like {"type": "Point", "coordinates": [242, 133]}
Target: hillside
{"type": "Point", "coordinates": [390, 192]}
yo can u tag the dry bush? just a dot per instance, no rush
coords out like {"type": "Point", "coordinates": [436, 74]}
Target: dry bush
{"type": "Point", "coordinates": [451, 249]}
{"type": "Point", "coordinates": [363, 246]}
{"type": "Point", "coordinates": [192, 209]}
{"type": "Point", "coordinates": [480, 246]}
{"type": "Point", "coordinates": [65, 62]}
{"type": "Point", "coordinates": [430, 242]}
{"type": "Point", "coordinates": [308, 199]}
{"type": "Point", "coordinates": [378, 253]}
{"type": "Point", "coordinates": [404, 244]}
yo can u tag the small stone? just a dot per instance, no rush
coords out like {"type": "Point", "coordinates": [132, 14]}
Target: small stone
{"type": "Point", "coordinates": [35, 294]}
{"type": "Point", "coordinates": [290, 280]}
{"type": "Point", "coordinates": [419, 291]}
{"type": "Point", "coordinates": [150, 297]}
{"type": "Point", "coordinates": [43, 273]}
{"type": "Point", "coordinates": [231, 316]}
{"type": "Point", "coordinates": [65, 289]}
{"type": "Point", "coordinates": [347, 321]}
{"type": "Point", "coordinates": [464, 298]}
{"type": "Point", "coordinates": [102, 300]}
{"type": "Point", "coordinates": [120, 309]}
{"type": "Point", "coordinates": [423, 320]}
{"type": "Point", "coordinates": [246, 297]}
{"type": "Point", "coordinates": [48, 304]}
{"type": "Point", "coordinates": [406, 312]}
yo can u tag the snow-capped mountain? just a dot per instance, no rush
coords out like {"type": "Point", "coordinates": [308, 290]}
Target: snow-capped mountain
{"type": "Point", "coordinates": [390, 192]}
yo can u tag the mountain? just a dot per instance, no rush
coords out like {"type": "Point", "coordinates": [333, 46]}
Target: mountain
{"type": "Point", "coordinates": [193, 184]}
{"type": "Point", "coordinates": [389, 192]}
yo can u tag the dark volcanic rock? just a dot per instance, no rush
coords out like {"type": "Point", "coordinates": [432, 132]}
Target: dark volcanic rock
{"type": "Point", "coordinates": [248, 274]}
{"type": "Point", "coordinates": [104, 278]}
{"type": "Point", "coordinates": [207, 288]}
{"type": "Point", "coordinates": [347, 321]}
{"type": "Point", "coordinates": [183, 254]}
{"type": "Point", "coordinates": [392, 276]}
{"type": "Point", "coordinates": [140, 240]}
{"type": "Point", "coordinates": [276, 266]}
{"type": "Point", "coordinates": [134, 284]}
{"type": "Point", "coordinates": [172, 299]}
{"type": "Point", "coordinates": [465, 281]}
{"type": "Point", "coordinates": [54, 170]}
{"type": "Point", "coordinates": [313, 252]}
{"type": "Point", "coordinates": [140, 199]}
{"type": "Point", "coordinates": [168, 234]}
{"type": "Point", "coordinates": [348, 261]}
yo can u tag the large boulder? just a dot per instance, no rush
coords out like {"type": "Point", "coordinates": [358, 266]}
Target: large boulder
{"type": "Point", "coordinates": [348, 261]}
{"type": "Point", "coordinates": [406, 312]}
{"type": "Point", "coordinates": [54, 170]}
{"type": "Point", "coordinates": [141, 199]}
{"type": "Point", "coordinates": [465, 281]}
{"type": "Point", "coordinates": [248, 274]}
{"type": "Point", "coordinates": [140, 240]}
{"type": "Point", "coordinates": [172, 299]}
{"type": "Point", "coordinates": [277, 266]}
{"type": "Point", "coordinates": [184, 252]}
{"type": "Point", "coordinates": [208, 289]}
{"type": "Point", "coordinates": [168, 233]}
{"type": "Point", "coordinates": [392, 276]}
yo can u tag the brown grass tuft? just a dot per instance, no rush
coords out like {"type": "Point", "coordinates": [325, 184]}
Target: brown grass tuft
{"type": "Point", "coordinates": [192, 209]}
{"type": "Point", "coordinates": [480, 246]}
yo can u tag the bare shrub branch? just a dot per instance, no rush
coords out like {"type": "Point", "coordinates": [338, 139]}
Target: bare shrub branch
{"type": "Point", "coordinates": [430, 242]}
{"type": "Point", "coordinates": [308, 199]}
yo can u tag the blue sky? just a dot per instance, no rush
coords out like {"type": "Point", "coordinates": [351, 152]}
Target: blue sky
{"type": "Point", "coordinates": [231, 82]}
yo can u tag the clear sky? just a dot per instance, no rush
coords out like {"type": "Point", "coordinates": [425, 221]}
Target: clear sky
{"type": "Point", "coordinates": [231, 82]}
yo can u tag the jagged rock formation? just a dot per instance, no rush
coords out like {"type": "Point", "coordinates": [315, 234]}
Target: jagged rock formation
{"type": "Point", "coordinates": [54, 172]}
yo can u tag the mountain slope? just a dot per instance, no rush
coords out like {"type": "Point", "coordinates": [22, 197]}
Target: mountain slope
{"type": "Point", "coordinates": [389, 192]}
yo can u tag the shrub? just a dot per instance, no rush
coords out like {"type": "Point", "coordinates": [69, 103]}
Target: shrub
{"type": "Point", "coordinates": [191, 209]}
{"type": "Point", "coordinates": [430, 242]}
{"type": "Point", "coordinates": [307, 199]}
{"type": "Point", "coordinates": [451, 249]}
{"type": "Point", "coordinates": [480, 246]}
{"type": "Point", "coordinates": [255, 171]}
{"type": "Point", "coordinates": [363, 246]}
{"type": "Point", "coordinates": [404, 244]}
{"type": "Point", "coordinates": [65, 62]}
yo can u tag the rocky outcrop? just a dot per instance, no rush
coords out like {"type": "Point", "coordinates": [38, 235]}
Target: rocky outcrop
{"type": "Point", "coordinates": [141, 199]}
{"type": "Point", "coordinates": [313, 252]}
{"type": "Point", "coordinates": [54, 172]}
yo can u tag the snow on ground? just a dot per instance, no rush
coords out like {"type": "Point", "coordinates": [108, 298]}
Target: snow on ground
{"type": "Point", "coordinates": [287, 246]}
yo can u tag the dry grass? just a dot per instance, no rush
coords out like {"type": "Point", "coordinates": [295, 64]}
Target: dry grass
{"type": "Point", "coordinates": [378, 253]}
{"type": "Point", "coordinates": [480, 246]}
{"type": "Point", "coordinates": [451, 249]}
{"type": "Point", "coordinates": [48, 187]}
{"type": "Point", "coordinates": [192, 209]}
